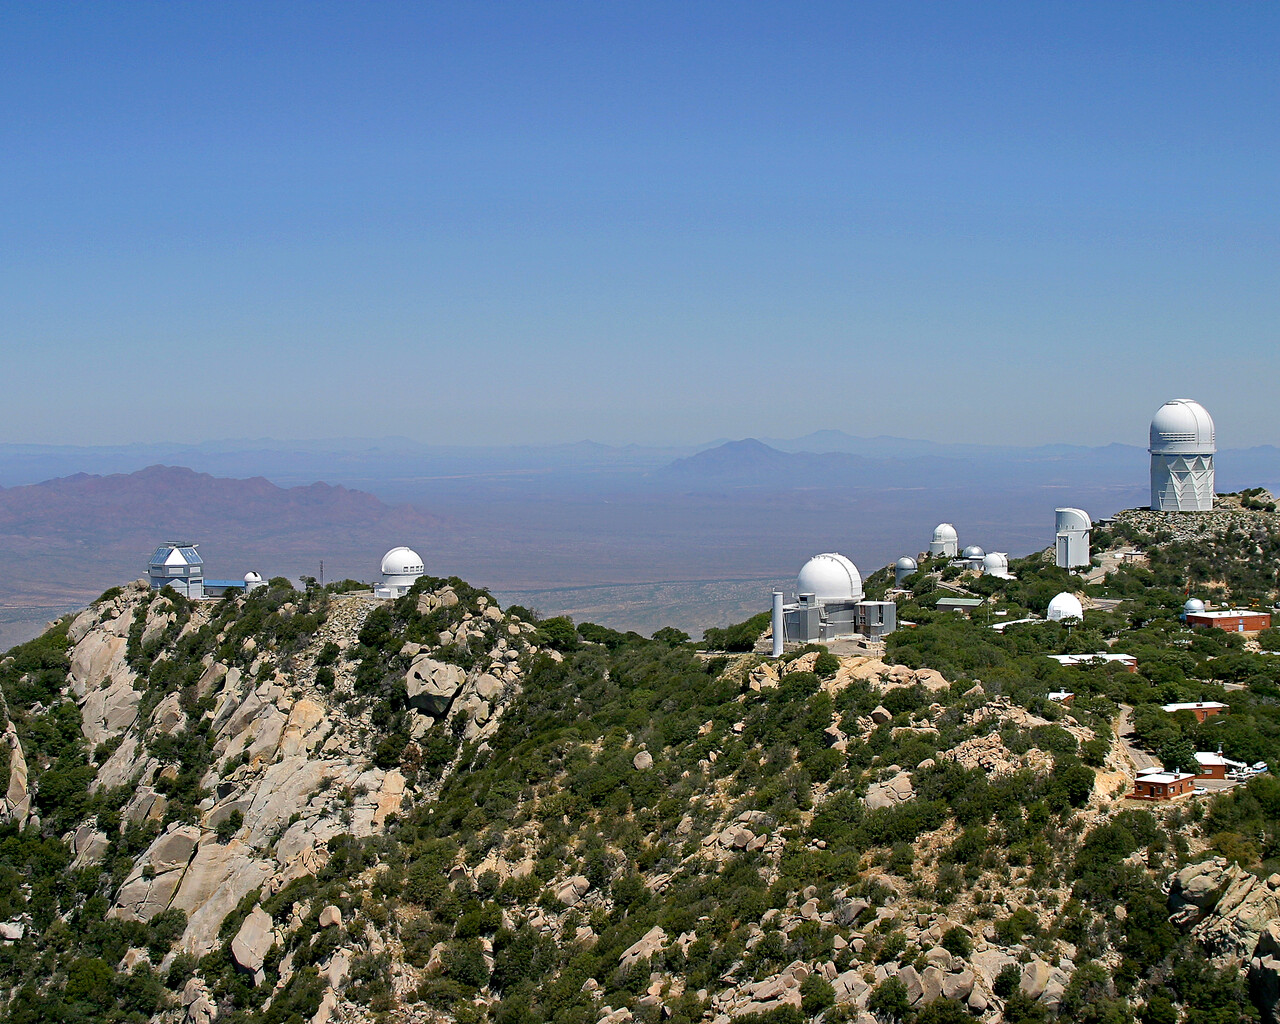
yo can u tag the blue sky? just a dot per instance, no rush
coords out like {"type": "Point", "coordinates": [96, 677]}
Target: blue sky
{"type": "Point", "coordinates": [528, 222]}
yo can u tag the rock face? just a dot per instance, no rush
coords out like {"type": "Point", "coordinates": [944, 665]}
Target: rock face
{"type": "Point", "coordinates": [1264, 973]}
{"type": "Point", "coordinates": [1226, 908]}
{"type": "Point", "coordinates": [17, 800]}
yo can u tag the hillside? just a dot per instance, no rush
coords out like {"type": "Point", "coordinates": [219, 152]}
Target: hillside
{"type": "Point", "coordinates": [311, 807]}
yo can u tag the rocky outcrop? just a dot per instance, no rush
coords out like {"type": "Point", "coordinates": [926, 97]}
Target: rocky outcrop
{"type": "Point", "coordinates": [17, 798]}
{"type": "Point", "coordinates": [893, 791]}
{"type": "Point", "coordinates": [432, 685]}
{"type": "Point", "coordinates": [1227, 908]}
{"type": "Point", "coordinates": [643, 948]}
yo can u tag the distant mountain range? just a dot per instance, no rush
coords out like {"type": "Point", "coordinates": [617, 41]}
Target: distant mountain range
{"type": "Point", "coordinates": [399, 470]}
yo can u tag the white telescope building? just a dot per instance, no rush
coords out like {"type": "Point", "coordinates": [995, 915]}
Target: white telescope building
{"type": "Point", "coordinates": [1073, 526]}
{"type": "Point", "coordinates": [945, 543]}
{"type": "Point", "coordinates": [401, 567]}
{"type": "Point", "coordinates": [830, 603]}
{"type": "Point", "coordinates": [1182, 448]}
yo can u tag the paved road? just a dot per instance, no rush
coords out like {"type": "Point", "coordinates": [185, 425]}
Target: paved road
{"type": "Point", "coordinates": [1124, 730]}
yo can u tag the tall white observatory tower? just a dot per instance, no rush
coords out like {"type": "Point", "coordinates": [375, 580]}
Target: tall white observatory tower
{"type": "Point", "coordinates": [1182, 447]}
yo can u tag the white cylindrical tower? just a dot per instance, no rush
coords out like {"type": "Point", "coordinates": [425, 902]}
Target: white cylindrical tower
{"type": "Point", "coordinates": [1182, 449]}
{"type": "Point", "coordinates": [945, 543]}
{"type": "Point", "coordinates": [1073, 526]}
{"type": "Point", "coordinates": [779, 624]}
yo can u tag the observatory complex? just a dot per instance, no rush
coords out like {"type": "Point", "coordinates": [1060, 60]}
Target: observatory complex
{"type": "Point", "coordinates": [1182, 448]}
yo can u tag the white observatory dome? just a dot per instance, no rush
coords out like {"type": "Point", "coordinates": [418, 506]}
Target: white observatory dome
{"type": "Point", "coordinates": [996, 563]}
{"type": "Point", "coordinates": [830, 577]}
{"type": "Point", "coordinates": [903, 568]}
{"type": "Point", "coordinates": [1194, 606]}
{"type": "Point", "coordinates": [252, 577]}
{"type": "Point", "coordinates": [1182, 427]}
{"type": "Point", "coordinates": [1065, 606]}
{"type": "Point", "coordinates": [402, 561]}
{"type": "Point", "coordinates": [944, 541]}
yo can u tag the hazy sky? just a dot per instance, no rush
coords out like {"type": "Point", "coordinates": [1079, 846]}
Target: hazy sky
{"type": "Point", "coordinates": [637, 221]}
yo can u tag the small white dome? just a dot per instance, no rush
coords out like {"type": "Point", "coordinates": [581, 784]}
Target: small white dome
{"type": "Point", "coordinates": [1065, 606]}
{"type": "Point", "coordinates": [973, 551]}
{"type": "Point", "coordinates": [830, 577]}
{"type": "Point", "coordinates": [944, 533]}
{"type": "Point", "coordinates": [253, 577]}
{"type": "Point", "coordinates": [1182, 427]}
{"type": "Point", "coordinates": [995, 563]}
{"type": "Point", "coordinates": [1194, 606]}
{"type": "Point", "coordinates": [906, 562]}
{"type": "Point", "coordinates": [402, 561]}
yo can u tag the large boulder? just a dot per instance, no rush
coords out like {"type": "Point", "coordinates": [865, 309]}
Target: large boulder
{"type": "Point", "coordinates": [249, 948]}
{"type": "Point", "coordinates": [643, 948]}
{"type": "Point", "coordinates": [431, 685]}
{"type": "Point", "coordinates": [572, 890]}
{"type": "Point", "coordinates": [1035, 978]}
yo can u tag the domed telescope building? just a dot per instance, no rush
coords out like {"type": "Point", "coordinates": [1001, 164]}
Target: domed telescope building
{"type": "Point", "coordinates": [829, 604]}
{"type": "Point", "coordinates": [903, 568]}
{"type": "Point", "coordinates": [1182, 449]}
{"type": "Point", "coordinates": [945, 543]}
{"type": "Point", "coordinates": [1065, 607]}
{"type": "Point", "coordinates": [401, 567]}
